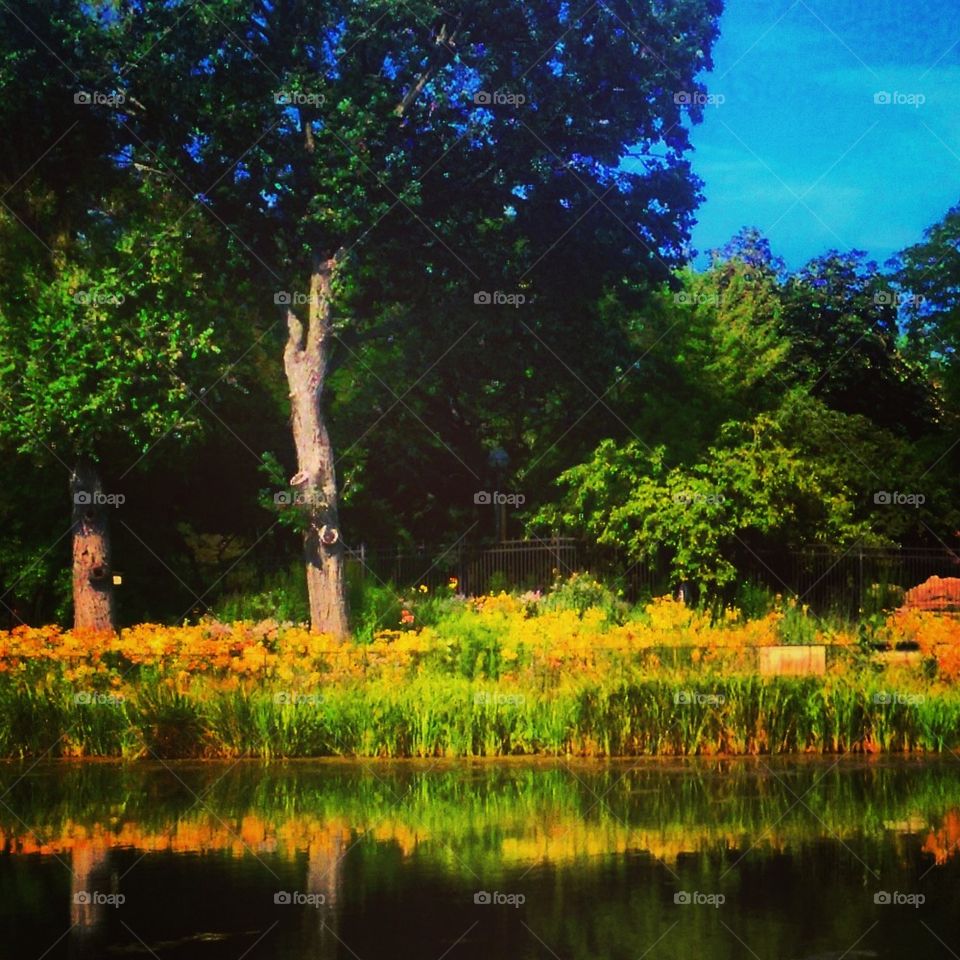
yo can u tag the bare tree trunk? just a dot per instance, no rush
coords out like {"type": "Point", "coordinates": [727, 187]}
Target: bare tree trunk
{"type": "Point", "coordinates": [315, 483]}
{"type": "Point", "coordinates": [92, 575]}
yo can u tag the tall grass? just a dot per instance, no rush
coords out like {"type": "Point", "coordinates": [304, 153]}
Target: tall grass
{"type": "Point", "coordinates": [436, 715]}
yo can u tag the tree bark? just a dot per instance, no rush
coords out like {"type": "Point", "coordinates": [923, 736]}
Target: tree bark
{"type": "Point", "coordinates": [314, 486]}
{"type": "Point", "coordinates": [92, 573]}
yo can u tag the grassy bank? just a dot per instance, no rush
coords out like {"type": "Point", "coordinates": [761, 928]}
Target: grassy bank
{"type": "Point", "coordinates": [447, 716]}
{"type": "Point", "coordinates": [573, 673]}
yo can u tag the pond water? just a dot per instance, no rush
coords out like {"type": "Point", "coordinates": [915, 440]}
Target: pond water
{"type": "Point", "coordinates": [709, 859]}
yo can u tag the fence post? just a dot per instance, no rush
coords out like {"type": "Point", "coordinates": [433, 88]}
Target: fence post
{"type": "Point", "coordinates": [860, 592]}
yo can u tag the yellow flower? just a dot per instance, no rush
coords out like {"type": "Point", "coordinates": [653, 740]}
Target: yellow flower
{"type": "Point", "coordinates": [423, 588]}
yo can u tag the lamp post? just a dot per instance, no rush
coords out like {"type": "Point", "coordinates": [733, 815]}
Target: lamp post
{"type": "Point", "coordinates": [498, 461]}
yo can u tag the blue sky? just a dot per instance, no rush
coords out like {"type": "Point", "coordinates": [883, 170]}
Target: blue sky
{"type": "Point", "coordinates": [800, 149]}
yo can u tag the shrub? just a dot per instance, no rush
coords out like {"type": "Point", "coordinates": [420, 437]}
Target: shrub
{"type": "Point", "coordinates": [373, 605]}
{"type": "Point", "coordinates": [797, 626]}
{"type": "Point", "coordinates": [474, 645]}
{"type": "Point", "coordinates": [283, 597]}
{"type": "Point", "coordinates": [937, 636]}
{"type": "Point", "coordinates": [754, 600]}
{"type": "Point", "coordinates": [580, 592]}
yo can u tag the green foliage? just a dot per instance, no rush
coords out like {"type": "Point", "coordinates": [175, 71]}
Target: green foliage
{"type": "Point", "coordinates": [438, 714]}
{"type": "Point", "coordinates": [581, 592]}
{"type": "Point", "coordinates": [881, 598]}
{"type": "Point", "coordinates": [170, 724]}
{"type": "Point", "coordinates": [785, 478]}
{"type": "Point", "coordinates": [282, 597]}
{"type": "Point", "coordinates": [796, 625]}
{"type": "Point", "coordinates": [35, 574]}
{"type": "Point", "coordinates": [928, 278]}
{"type": "Point", "coordinates": [474, 645]}
{"type": "Point", "coordinates": [499, 582]}
{"type": "Point", "coordinates": [382, 170]}
{"type": "Point", "coordinates": [97, 352]}
{"type": "Point", "coordinates": [754, 600]}
{"type": "Point", "coordinates": [743, 407]}
{"type": "Point", "coordinates": [431, 607]}
{"type": "Point", "coordinates": [711, 350]}
{"type": "Point", "coordinates": [373, 605]}
{"type": "Point", "coordinates": [841, 317]}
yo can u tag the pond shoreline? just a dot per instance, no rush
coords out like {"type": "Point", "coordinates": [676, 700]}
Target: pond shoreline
{"type": "Point", "coordinates": [434, 715]}
{"type": "Point", "coordinates": [419, 841]}
{"type": "Point", "coordinates": [420, 765]}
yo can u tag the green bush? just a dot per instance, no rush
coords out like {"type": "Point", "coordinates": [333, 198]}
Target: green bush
{"type": "Point", "coordinates": [581, 592]}
{"type": "Point", "coordinates": [170, 724]}
{"type": "Point", "coordinates": [797, 625]}
{"type": "Point", "coordinates": [373, 605]}
{"type": "Point", "coordinates": [283, 597]}
{"type": "Point", "coordinates": [474, 646]}
{"type": "Point", "coordinates": [754, 600]}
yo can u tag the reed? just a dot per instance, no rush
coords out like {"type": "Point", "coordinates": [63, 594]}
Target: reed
{"type": "Point", "coordinates": [436, 714]}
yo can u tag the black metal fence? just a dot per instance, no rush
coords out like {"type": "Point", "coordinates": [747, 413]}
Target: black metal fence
{"type": "Point", "coordinates": [849, 581]}
{"type": "Point", "coordinates": [828, 579]}
{"type": "Point", "coordinates": [510, 564]}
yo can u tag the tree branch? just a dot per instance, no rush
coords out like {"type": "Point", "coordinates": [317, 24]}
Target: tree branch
{"type": "Point", "coordinates": [445, 48]}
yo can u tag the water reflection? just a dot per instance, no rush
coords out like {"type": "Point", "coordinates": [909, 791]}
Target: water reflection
{"type": "Point", "coordinates": [522, 859]}
{"type": "Point", "coordinates": [89, 865]}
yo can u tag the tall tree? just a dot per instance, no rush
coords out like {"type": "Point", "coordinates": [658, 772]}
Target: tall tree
{"type": "Point", "coordinates": [929, 277]}
{"type": "Point", "coordinates": [369, 154]}
{"type": "Point", "coordinates": [792, 477]}
{"type": "Point", "coordinates": [98, 348]}
{"type": "Point", "coordinates": [64, 375]}
{"type": "Point", "coordinates": [842, 320]}
{"type": "Point", "coordinates": [712, 350]}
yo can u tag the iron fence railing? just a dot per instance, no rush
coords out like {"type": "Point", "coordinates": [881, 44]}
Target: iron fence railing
{"type": "Point", "coordinates": [510, 564]}
{"type": "Point", "coordinates": [828, 579]}
{"type": "Point", "coordinates": [852, 580]}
